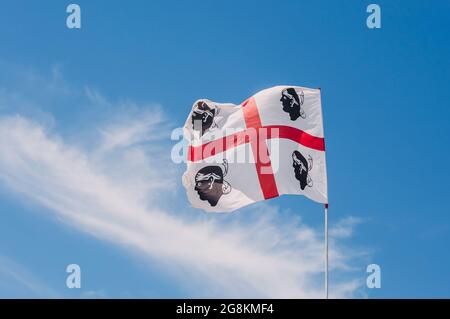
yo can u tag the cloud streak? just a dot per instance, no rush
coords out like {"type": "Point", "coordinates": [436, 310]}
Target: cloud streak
{"type": "Point", "coordinates": [20, 282]}
{"type": "Point", "coordinates": [114, 188]}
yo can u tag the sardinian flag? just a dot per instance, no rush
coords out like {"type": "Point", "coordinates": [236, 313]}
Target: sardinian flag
{"type": "Point", "coordinates": [271, 144]}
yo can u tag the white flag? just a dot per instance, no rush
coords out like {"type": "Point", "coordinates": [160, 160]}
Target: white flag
{"type": "Point", "coordinates": [271, 144]}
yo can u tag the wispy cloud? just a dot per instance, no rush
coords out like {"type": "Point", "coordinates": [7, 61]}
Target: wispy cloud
{"type": "Point", "coordinates": [344, 228]}
{"type": "Point", "coordinates": [19, 282]}
{"type": "Point", "coordinates": [114, 188]}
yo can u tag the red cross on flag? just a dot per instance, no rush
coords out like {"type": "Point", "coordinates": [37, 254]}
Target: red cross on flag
{"type": "Point", "coordinates": [271, 144]}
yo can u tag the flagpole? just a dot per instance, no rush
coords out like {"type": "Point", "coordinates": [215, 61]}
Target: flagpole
{"type": "Point", "coordinates": [326, 251]}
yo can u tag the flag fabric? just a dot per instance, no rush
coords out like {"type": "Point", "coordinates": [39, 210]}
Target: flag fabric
{"type": "Point", "coordinates": [271, 144]}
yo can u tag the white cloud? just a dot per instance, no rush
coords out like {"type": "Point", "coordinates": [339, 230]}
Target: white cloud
{"type": "Point", "coordinates": [344, 228]}
{"type": "Point", "coordinates": [117, 189]}
{"type": "Point", "coordinates": [239, 260]}
{"type": "Point", "coordinates": [20, 282]}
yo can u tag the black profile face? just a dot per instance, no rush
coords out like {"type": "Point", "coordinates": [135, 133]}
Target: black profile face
{"type": "Point", "coordinates": [292, 103]}
{"type": "Point", "coordinates": [301, 169]}
{"type": "Point", "coordinates": [202, 116]}
{"type": "Point", "coordinates": [209, 184]}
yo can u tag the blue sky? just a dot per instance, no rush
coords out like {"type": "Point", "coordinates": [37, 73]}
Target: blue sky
{"type": "Point", "coordinates": [78, 100]}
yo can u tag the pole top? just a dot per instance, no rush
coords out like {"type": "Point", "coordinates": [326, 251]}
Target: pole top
{"type": "Point", "coordinates": [326, 206]}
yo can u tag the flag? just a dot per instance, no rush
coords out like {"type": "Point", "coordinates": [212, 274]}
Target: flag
{"type": "Point", "coordinates": [271, 144]}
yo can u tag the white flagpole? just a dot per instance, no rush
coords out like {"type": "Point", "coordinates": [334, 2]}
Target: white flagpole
{"type": "Point", "coordinates": [326, 251]}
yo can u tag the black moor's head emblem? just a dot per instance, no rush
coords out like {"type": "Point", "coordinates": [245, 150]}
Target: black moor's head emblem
{"type": "Point", "coordinates": [292, 103]}
{"type": "Point", "coordinates": [210, 185]}
{"type": "Point", "coordinates": [302, 168]}
{"type": "Point", "coordinates": [203, 117]}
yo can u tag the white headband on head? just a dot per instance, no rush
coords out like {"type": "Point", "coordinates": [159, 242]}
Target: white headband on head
{"type": "Point", "coordinates": [290, 96]}
{"type": "Point", "coordinates": [301, 98]}
{"type": "Point", "coordinates": [213, 177]}
{"type": "Point", "coordinates": [309, 180]}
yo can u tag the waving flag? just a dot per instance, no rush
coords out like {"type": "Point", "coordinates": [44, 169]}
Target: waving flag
{"type": "Point", "coordinates": [271, 144]}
